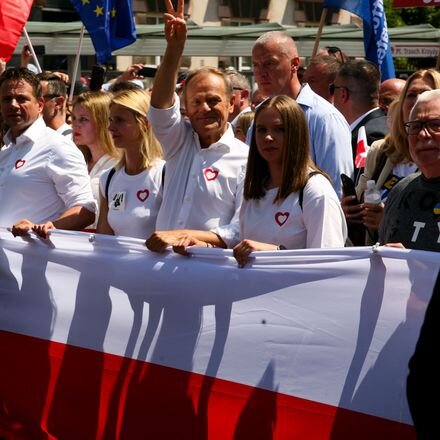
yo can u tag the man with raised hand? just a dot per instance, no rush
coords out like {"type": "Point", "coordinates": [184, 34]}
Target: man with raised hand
{"type": "Point", "coordinates": [205, 163]}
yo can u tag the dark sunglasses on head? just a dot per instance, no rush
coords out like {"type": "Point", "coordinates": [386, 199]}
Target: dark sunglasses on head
{"type": "Point", "coordinates": [48, 97]}
{"type": "Point", "coordinates": [334, 50]}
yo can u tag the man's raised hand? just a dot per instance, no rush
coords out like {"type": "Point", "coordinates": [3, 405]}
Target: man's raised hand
{"type": "Point", "coordinates": [175, 26]}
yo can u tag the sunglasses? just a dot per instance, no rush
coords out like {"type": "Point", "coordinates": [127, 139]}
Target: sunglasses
{"type": "Point", "coordinates": [335, 51]}
{"type": "Point", "coordinates": [332, 88]}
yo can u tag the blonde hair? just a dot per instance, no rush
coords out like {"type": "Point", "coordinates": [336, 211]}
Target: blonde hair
{"type": "Point", "coordinates": [244, 121]}
{"type": "Point", "coordinates": [138, 102]}
{"type": "Point", "coordinates": [98, 103]}
{"type": "Point", "coordinates": [396, 142]}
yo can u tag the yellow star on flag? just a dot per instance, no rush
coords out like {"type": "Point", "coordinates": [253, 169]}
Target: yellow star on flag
{"type": "Point", "coordinates": [99, 10]}
{"type": "Point", "coordinates": [113, 12]}
{"type": "Point", "coordinates": [85, 2]}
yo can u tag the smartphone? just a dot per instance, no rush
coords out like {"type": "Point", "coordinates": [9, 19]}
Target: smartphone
{"type": "Point", "coordinates": [147, 72]}
{"type": "Point", "coordinates": [39, 50]}
{"type": "Point", "coordinates": [348, 186]}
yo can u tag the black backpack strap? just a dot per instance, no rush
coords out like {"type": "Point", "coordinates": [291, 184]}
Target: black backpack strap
{"type": "Point", "coordinates": [107, 183]}
{"type": "Point", "coordinates": [67, 131]}
{"type": "Point", "coordinates": [301, 191]}
{"type": "Point", "coordinates": [163, 175]}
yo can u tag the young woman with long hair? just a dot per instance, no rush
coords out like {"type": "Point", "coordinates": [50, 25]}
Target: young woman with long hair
{"type": "Point", "coordinates": [131, 194]}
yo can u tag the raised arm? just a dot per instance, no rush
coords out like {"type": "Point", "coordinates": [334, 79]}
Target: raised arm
{"type": "Point", "coordinates": [166, 76]}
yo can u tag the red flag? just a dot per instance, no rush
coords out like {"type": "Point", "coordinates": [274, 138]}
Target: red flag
{"type": "Point", "coordinates": [361, 149]}
{"type": "Point", "coordinates": [13, 16]}
{"type": "Point", "coordinates": [413, 3]}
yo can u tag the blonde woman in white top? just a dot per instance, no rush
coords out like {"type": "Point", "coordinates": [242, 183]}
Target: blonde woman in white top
{"type": "Point", "coordinates": [90, 133]}
{"type": "Point", "coordinates": [130, 197]}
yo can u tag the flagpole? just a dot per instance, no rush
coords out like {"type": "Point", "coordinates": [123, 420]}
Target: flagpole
{"type": "Point", "coordinates": [31, 48]}
{"type": "Point", "coordinates": [318, 35]}
{"type": "Point", "coordinates": [75, 66]}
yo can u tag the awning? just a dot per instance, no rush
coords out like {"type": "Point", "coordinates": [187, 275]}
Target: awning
{"type": "Point", "coordinates": [62, 39]}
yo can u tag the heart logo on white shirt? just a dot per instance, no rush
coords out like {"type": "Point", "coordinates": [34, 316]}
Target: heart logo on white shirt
{"type": "Point", "coordinates": [143, 194]}
{"type": "Point", "coordinates": [211, 174]}
{"type": "Point", "coordinates": [19, 163]}
{"type": "Point", "coordinates": [281, 218]}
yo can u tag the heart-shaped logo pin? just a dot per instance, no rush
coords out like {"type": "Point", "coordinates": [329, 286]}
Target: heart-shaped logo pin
{"type": "Point", "coordinates": [281, 217]}
{"type": "Point", "coordinates": [211, 174]}
{"type": "Point", "coordinates": [19, 163]}
{"type": "Point", "coordinates": [143, 194]}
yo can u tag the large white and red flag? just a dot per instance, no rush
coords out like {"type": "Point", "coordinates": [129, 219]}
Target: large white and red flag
{"type": "Point", "coordinates": [100, 339]}
{"type": "Point", "coordinates": [13, 17]}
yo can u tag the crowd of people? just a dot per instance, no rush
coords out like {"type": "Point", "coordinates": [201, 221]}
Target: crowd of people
{"type": "Point", "coordinates": [207, 162]}
{"type": "Point", "coordinates": [210, 163]}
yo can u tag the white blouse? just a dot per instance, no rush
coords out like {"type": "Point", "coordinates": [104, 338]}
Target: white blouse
{"type": "Point", "coordinates": [320, 223]}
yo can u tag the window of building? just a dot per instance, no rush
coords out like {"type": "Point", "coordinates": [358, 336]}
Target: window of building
{"type": "Point", "coordinates": [250, 9]}
{"type": "Point", "coordinates": [245, 8]}
{"type": "Point", "coordinates": [159, 6]}
{"type": "Point", "coordinates": [309, 12]}
{"type": "Point", "coordinates": [53, 10]}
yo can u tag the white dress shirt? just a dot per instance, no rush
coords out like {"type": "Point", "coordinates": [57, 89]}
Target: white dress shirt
{"type": "Point", "coordinates": [201, 184]}
{"type": "Point", "coordinates": [42, 174]}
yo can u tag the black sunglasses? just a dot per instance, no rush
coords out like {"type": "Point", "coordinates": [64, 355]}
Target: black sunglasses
{"type": "Point", "coordinates": [49, 96]}
{"type": "Point", "coordinates": [334, 50]}
{"type": "Point", "coordinates": [332, 88]}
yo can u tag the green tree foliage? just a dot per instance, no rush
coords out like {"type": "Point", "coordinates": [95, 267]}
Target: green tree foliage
{"type": "Point", "coordinates": [409, 16]}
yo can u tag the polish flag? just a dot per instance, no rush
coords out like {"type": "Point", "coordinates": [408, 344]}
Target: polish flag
{"type": "Point", "coordinates": [13, 16]}
{"type": "Point", "coordinates": [101, 339]}
{"type": "Point", "coordinates": [361, 149]}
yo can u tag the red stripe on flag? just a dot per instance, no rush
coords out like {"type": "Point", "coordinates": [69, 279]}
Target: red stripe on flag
{"type": "Point", "coordinates": [13, 16]}
{"type": "Point", "coordinates": [50, 390]}
{"type": "Point", "coordinates": [413, 3]}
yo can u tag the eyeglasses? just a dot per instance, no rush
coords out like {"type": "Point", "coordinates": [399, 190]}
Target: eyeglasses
{"type": "Point", "coordinates": [432, 126]}
{"type": "Point", "coordinates": [49, 97]}
{"type": "Point", "coordinates": [332, 88]}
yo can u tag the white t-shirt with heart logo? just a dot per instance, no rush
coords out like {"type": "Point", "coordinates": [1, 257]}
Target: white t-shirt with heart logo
{"type": "Point", "coordinates": [134, 201]}
{"type": "Point", "coordinates": [320, 223]}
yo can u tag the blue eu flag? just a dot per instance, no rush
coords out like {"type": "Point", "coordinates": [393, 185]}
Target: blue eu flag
{"type": "Point", "coordinates": [109, 23]}
{"type": "Point", "coordinates": [376, 38]}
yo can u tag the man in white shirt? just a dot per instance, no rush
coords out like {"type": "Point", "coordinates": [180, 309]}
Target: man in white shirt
{"type": "Point", "coordinates": [241, 92]}
{"type": "Point", "coordinates": [205, 163]}
{"type": "Point", "coordinates": [44, 183]}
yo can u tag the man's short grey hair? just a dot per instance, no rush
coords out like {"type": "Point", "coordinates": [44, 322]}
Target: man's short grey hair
{"type": "Point", "coordinates": [284, 40]}
{"type": "Point", "coordinates": [427, 96]}
{"type": "Point", "coordinates": [238, 81]}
